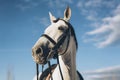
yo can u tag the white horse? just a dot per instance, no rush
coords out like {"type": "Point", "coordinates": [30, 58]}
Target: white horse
{"type": "Point", "coordinates": [59, 35]}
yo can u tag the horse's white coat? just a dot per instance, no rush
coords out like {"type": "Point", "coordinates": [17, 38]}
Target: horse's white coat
{"type": "Point", "coordinates": [67, 60]}
{"type": "Point", "coordinates": [56, 74]}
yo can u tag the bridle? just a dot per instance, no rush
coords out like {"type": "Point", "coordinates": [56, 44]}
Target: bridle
{"type": "Point", "coordinates": [54, 51]}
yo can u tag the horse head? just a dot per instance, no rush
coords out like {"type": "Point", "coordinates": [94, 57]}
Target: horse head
{"type": "Point", "coordinates": [55, 38]}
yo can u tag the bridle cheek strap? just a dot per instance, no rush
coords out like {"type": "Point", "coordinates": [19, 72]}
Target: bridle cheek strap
{"type": "Point", "coordinates": [59, 43]}
{"type": "Point", "coordinates": [49, 38]}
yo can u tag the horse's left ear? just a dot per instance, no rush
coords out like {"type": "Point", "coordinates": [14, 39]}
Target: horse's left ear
{"type": "Point", "coordinates": [67, 14]}
{"type": "Point", "coordinates": [52, 18]}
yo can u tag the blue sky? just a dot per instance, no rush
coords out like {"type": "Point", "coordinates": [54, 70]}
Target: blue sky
{"type": "Point", "coordinates": [96, 23]}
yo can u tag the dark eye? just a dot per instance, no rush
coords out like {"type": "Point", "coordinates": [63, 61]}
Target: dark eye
{"type": "Point", "coordinates": [61, 28]}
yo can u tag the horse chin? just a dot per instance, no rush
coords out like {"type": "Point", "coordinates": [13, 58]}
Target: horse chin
{"type": "Point", "coordinates": [40, 60]}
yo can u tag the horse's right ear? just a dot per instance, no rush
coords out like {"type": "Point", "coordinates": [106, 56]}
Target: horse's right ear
{"type": "Point", "coordinates": [52, 18]}
{"type": "Point", "coordinates": [67, 14]}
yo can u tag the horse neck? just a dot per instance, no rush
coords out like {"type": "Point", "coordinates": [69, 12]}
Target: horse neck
{"type": "Point", "coordinates": [68, 60]}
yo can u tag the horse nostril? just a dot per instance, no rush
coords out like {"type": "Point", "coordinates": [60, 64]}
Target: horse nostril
{"type": "Point", "coordinates": [39, 50]}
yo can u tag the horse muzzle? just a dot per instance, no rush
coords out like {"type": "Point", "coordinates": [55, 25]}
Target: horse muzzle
{"type": "Point", "coordinates": [39, 56]}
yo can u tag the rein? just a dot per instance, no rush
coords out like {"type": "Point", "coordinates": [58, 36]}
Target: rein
{"type": "Point", "coordinates": [54, 51]}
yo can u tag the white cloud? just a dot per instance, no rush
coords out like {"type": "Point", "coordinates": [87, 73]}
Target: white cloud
{"type": "Point", "coordinates": [91, 9]}
{"type": "Point", "coordinates": [110, 73]}
{"type": "Point", "coordinates": [56, 3]}
{"type": "Point", "coordinates": [93, 3]}
{"type": "Point", "coordinates": [100, 3]}
{"type": "Point", "coordinates": [80, 4]}
{"type": "Point", "coordinates": [59, 3]}
{"type": "Point", "coordinates": [28, 4]}
{"type": "Point", "coordinates": [22, 7]}
{"type": "Point", "coordinates": [111, 25]}
{"type": "Point", "coordinates": [91, 17]}
{"type": "Point", "coordinates": [112, 69]}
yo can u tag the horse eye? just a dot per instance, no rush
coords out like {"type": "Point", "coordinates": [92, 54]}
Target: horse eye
{"type": "Point", "coordinates": [61, 28]}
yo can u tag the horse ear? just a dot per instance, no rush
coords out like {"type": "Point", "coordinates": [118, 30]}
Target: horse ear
{"type": "Point", "coordinates": [52, 18]}
{"type": "Point", "coordinates": [67, 14]}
